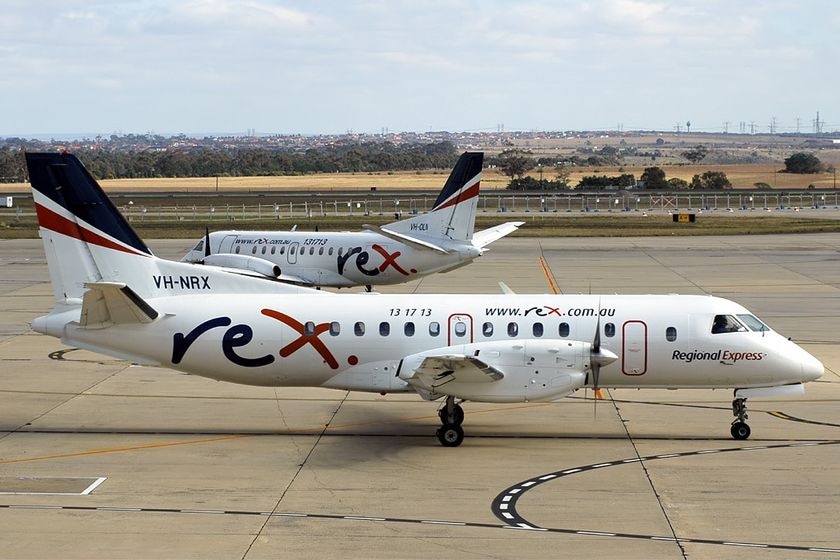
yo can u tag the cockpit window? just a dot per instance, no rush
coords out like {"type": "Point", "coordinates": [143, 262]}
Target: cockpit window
{"type": "Point", "coordinates": [726, 324]}
{"type": "Point", "coordinates": [199, 246]}
{"type": "Point", "coordinates": [753, 323]}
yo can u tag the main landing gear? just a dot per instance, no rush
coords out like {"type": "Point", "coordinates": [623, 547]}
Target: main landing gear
{"type": "Point", "coordinates": [450, 434]}
{"type": "Point", "coordinates": [740, 429]}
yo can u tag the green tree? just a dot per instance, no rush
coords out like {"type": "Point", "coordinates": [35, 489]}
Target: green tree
{"type": "Point", "coordinates": [711, 181]}
{"type": "Point", "coordinates": [696, 154]}
{"type": "Point", "coordinates": [515, 163]}
{"type": "Point", "coordinates": [800, 162]}
{"type": "Point", "coordinates": [654, 178]}
{"type": "Point", "coordinates": [677, 184]}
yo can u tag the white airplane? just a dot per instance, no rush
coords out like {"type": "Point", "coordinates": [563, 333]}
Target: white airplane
{"type": "Point", "coordinates": [114, 297]}
{"type": "Point", "coordinates": [438, 241]}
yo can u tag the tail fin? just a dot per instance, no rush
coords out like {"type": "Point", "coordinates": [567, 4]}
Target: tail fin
{"type": "Point", "coordinates": [89, 245]}
{"type": "Point", "coordinates": [453, 215]}
{"type": "Point", "coordinates": [76, 220]}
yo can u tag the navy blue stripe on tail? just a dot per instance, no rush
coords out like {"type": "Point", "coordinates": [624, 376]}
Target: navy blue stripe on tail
{"type": "Point", "coordinates": [467, 167]}
{"type": "Point", "coordinates": [62, 178]}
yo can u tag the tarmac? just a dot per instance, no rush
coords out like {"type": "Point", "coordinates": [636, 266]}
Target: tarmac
{"type": "Point", "coordinates": [100, 458]}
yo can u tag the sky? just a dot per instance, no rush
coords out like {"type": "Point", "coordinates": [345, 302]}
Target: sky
{"type": "Point", "coordinates": [329, 67]}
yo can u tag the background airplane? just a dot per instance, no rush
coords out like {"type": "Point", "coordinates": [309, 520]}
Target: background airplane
{"type": "Point", "coordinates": [113, 296]}
{"type": "Point", "coordinates": [438, 241]}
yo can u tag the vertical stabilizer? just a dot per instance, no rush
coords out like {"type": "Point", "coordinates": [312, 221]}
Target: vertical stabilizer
{"type": "Point", "coordinates": [453, 215]}
{"type": "Point", "coordinates": [76, 218]}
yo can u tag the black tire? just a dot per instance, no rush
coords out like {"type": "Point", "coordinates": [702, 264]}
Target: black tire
{"type": "Point", "coordinates": [450, 435]}
{"type": "Point", "coordinates": [740, 430]}
{"type": "Point", "coordinates": [458, 413]}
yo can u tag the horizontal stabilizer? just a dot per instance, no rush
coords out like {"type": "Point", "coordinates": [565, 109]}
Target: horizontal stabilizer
{"type": "Point", "coordinates": [113, 303]}
{"type": "Point", "coordinates": [407, 239]}
{"type": "Point", "coordinates": [487, 236]}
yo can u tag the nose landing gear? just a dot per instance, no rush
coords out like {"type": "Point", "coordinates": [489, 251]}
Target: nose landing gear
{"type": "Point", "coordinates": [739, 429]}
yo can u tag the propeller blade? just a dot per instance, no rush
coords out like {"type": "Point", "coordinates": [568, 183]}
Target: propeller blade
{"type": "Point", "coordinates": [207, 242]}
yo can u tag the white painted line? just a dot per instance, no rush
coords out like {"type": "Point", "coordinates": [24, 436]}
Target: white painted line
{"type": "Point", "coordinates": [507, 498]}
{"type": "Point", "coordinates": [708, 451]}
{"type": "Point", "coordinates": [668, 539]}
{"type": "Point", "coordinates": [507, 515]}
{"type": "Point", "coordinates": [595, 533]}
{"type": "Point", "coordinates": [548, 477]}
{"type": "Point", "coordinates": [630, 460]}
{"type": "Point", "coordinates": [515, 491]}
{"type": "Point", "coordinates": [570, 471]}
{"type": "Point", "coordinates": [359, 518]}
{"type": "Point", "coordinates": [599, 465]}
{"type": "Point", "coordinates": [114, 508]}
{"type": "Point", "coordinates": [825, 549]}
{"type": "Point", "coordinates": [529, 483]}
{"type": "Point", "coordinates": [94, 485]}
{"type": "Point", "coordinates": [23, 506]}
{"type": "Point", "coordinates": [289, 514]}
{"type": "Point", "coordinates": [461, 523]}
{"type": "Point", "coordinates": [668, 456]}
{"type": "Point", "coordinates": [748, 545]}
{"type": "Point", "coordinates": [503, 506]}
{"type": "Point", "coordinates": [528, 527]}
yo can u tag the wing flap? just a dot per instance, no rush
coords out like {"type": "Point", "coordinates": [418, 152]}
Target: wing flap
{"type": "Point", "coordinates": [435, 371]}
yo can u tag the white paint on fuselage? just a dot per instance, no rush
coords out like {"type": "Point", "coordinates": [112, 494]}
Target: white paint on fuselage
{"type": "Point", "coordinates": [339, 259]}
{"type": "Point", "coordinates": [247, 329]}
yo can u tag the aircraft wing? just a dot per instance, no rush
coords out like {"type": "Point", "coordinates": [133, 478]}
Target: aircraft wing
{"type": "Point", "coordinates": [435, 371]}
{"type": "Point", "coordinates": [407, 239]}
{"type": "Point", "coordinates": [113, 303]}
{"type": "Point", "coordinates": [487, 236]}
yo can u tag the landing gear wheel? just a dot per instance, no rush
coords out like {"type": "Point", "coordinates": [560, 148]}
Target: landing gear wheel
{"type": "Point", "coordinates": [450, 435]}
{"type": "Point", "coordinates": [740, 430]}
{"type": "Point", "coordinates": [457, 415]}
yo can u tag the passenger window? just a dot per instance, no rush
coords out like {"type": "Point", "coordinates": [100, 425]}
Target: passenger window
{"type": "Point", "coordinates": [335, 328]}
{"type": "Point", "coordinates": [434, 328]}
{"type": "Point", "coordinates": [330, 251]}
{"type": "Point", "coordinates": [609, 330]}
{"type": "Point", "coordinates": [254, 250]}
{"type": "Point", "coordinates": [408, 329]}
{"type": "Point", "coordinates": [292, 250]}
{"type": "Point", "coordinates": [320, 250]}
{"type": "Point", "coordinates": [282, 250]}
{"type": "Point", "coordinates": [273, 250]}
{"type": "Point", "coordinates": [263, 249]}
{"type": "Point", "coordinates": [513, 329]}
{"type": "Point", "coordinates": [726, 324]}
{"type": "Point", "coordinates": [312, 250]}
{"type": "Point", "coordinates": [359, 328]}
{"type": "Point", "coordinates": [537, 330]}
{"type": "Point", "coordinates": [671, 334]}
{"type": "Point", "coordinates": [563, 330]}
{"type": "Point", "coordinates": [384, 328]}
{"type": "Point", "coordinates": [487, 329]}
{"type": "Point", "coordinates": [309, 328]}
{"type": "Point", "coordinates": [460, 328]}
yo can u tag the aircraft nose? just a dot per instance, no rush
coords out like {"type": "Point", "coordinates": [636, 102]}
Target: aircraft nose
{"type": "Point", "coordinates": [812, 368]}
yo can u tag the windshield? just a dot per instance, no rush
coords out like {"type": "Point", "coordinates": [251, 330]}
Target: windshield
{"type": "Point", "coordinates": [753, 323]}
{"type": "Point", "coordinates": [199, 246]}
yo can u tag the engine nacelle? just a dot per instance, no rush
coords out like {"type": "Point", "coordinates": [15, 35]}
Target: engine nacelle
{"type": "Point", "coordinates": [529, 370]}
{"type": "Point", "coordinates": [244, 262]}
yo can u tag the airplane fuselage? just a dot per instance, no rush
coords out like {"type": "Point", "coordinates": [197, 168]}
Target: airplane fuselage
{"type": "Point", "coordinates": [358, 341]}
{"type": "Point", "coordinates": [339, 259]}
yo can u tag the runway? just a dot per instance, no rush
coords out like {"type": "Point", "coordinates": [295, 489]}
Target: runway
{"type": "Point", "coordinates": [103, 459]}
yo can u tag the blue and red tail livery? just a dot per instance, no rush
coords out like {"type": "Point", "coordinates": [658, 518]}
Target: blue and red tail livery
{"type": "Point", "coordinates": [83, 211]}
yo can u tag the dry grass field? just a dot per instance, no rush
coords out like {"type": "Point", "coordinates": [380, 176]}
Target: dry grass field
{"type": "Point", "coordinates": [742, 176]}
